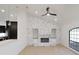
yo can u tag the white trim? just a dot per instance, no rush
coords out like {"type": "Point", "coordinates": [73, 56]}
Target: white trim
{"type": "Point", "coordinates": [76, 52]}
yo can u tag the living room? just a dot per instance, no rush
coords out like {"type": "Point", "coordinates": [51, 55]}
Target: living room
{"type": "Point", "coordinates": [36, 29]}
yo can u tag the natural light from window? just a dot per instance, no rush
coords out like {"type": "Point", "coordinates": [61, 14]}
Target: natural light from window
{"type": "Point", "coordinates": [74, 35]}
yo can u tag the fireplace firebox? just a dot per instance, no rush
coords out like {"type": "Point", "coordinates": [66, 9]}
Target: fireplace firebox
{"type": "Point", "coordinates": [44, 40]}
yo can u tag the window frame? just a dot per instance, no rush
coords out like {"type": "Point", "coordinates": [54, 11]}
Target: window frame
{"type": "Point", "coordinates": [69, 33]}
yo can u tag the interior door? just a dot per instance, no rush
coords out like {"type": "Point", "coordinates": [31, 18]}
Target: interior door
{"type": "Point", "coordinates": [12, 29]}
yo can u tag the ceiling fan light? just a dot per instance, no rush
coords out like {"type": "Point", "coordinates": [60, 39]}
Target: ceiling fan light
{"type": "Point", "coordinates": [2, 10]}
{"type": "Point", "coordinates": [48, 14]}
{"type": "Point", "coordinates": [36, 12]}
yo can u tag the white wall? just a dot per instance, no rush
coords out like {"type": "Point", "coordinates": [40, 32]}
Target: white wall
{"type": "Point", "coordinates": [71, 20]}
{"type": "Point", "coordinates": [15, 46]}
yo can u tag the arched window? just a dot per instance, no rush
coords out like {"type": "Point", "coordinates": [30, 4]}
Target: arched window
{"type": "Point", "coordinates": [74, 38]}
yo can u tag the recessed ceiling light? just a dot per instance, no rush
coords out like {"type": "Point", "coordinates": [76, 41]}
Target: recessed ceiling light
{"type": "Point", "coordinates": [11, 15]}
{"type": "Point", "coordinates": [3, 10]}
{"type": "Point", "coordinates": [36, 12]}
{"type": "Point", "coordinates": [55, 19]}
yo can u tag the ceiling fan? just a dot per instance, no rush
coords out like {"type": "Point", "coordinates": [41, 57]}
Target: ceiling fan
{"type": "Point", "coordinates": [48, 12]}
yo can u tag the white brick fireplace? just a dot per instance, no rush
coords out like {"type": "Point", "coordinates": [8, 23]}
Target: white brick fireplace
{"type": "Point", "coordinates": [47, 40]}
{"type": "Point", "coordinates": [37, 42]}
{"type": "Point", "coordinates": [39, 28]}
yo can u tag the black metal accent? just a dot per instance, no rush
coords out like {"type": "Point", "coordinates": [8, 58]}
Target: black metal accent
{"type": "Point", "coordinates": [73, 41]}
{"type": "Point", "coordinates": [47, 9]}
{"type": "Point", "coordinates": [44, 40]}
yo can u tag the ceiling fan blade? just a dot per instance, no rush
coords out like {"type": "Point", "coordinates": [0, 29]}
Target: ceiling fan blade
{"type": "Point", "coordinates": [53, 14]}
{"type": "Point", "coordinates": [44, 14]}
{"type": "Point", "coordinates": [47, 9]}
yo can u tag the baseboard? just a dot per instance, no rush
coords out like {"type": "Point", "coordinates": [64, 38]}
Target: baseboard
{"type": "Point", "coordinates": [74, 51]}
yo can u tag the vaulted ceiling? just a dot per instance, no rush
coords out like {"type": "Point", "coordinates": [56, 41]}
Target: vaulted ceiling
{"type": "Point", "coordinates": [33, 9]}
{"type": "Point", "coordinates": [63, 11]}
{"type": "Point", "coordinates": [39, 10]}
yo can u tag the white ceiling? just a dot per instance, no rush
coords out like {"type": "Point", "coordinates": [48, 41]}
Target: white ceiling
{"type": "Point", "coordinates": [65, 12]}
{"type": "Point", "coordinates": [31, 9]}
{"type": "Point", "coordinates": [41, 9]}
{"type": "Point", "coordinates": [60, 9]}
{"type": "Point", "coordinates": [9, 11]}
